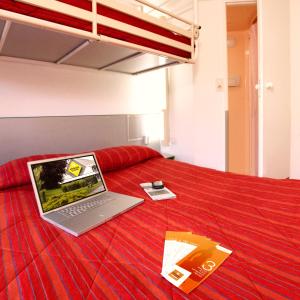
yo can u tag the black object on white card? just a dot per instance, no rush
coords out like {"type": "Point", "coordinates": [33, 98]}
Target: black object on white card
{"type": "Point", "coordinates": [158, 184]}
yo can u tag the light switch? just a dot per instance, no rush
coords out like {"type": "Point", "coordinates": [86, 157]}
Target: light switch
{"type": "Point", "coordinates": [269, 85]}
{"type": "Point", "coordinates": [219, 84]}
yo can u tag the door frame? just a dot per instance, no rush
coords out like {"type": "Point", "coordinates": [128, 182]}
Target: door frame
{"type": "Point", "coordinates": [253, 143]}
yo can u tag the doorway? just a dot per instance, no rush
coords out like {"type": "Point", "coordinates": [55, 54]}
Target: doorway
{"type": "Point", "coordinates": [242, 50]}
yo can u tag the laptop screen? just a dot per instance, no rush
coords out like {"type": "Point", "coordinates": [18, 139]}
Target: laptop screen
{"type": "Point", "coordinates": [65, 181]}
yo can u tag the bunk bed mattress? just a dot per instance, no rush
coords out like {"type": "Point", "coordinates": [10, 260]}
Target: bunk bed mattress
{"type": "Point", "coordinates": [63, 19]}
{"type": "Point", "coordinates": [256, 218]}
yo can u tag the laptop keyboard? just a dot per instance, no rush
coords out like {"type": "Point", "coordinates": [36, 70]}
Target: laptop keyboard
{"type": "Point", "coordinates": [78, 209]}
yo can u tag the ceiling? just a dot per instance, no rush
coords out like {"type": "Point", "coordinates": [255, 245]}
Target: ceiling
{"type": "Point", "coordinates": [175, 6]}
{"type": "Point", "coordinates": [240, 17]}
{"type": "Point", "coordinates": [182, 8]}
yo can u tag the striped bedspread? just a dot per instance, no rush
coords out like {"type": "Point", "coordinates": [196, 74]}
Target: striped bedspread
{"type": "Point", "coordinates": [256, 218]}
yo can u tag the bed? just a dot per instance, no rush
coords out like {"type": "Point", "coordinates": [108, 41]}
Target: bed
{"type": "Point", "coordinates": [98, 34]}
{"type": "Point", "coordinates": [257, 218]}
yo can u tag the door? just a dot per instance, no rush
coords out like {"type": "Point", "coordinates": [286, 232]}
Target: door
{"type": "Point", "coordinates": [207, 109]}
{"type": "Point", "coordinates": [274, 88]}
{"type": "Point", "coordinates": [242, 95]}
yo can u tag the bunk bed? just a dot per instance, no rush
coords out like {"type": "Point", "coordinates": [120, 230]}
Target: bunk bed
{"type": "Point", "coordinates": [98, 34]}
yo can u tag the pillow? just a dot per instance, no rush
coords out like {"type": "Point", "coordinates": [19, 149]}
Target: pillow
{"type": "Point", "coordinates": [116, 158]}
{"type": "Point", "coordinates": [15, 172]}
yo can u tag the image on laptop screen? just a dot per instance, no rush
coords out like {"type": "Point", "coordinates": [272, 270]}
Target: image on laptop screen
{"type": "Point", "coordinates": [61, 182]}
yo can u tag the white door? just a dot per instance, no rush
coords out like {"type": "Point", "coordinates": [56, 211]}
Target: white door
{"type": "Point", "coordinates": [210, 86]}
{"type": "Point", "coordinates": [274, 91]}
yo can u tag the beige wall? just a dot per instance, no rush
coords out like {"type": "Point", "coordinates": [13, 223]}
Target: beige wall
{"type": "Point", "coordinates": [295, 87]}
{"type": "Point", "coordinates": [238, 104]}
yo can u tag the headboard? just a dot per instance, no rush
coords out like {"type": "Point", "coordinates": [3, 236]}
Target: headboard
{"type": "Point", "coordinates": [39, 135]}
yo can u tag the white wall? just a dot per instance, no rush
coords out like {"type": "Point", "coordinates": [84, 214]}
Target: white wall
{"type": "Point", "coordinates": [210, 84]}
{"type": "Point", "coordinates": [274, 103]}
{"type": "Point", "coordinates": [196, 105]}
{"type": "Point", "coordinates": [42, 89]}
{"type": "Point", "coordinates": [295, 88]}
{"type": "Point", "coordinates": [181, 119]}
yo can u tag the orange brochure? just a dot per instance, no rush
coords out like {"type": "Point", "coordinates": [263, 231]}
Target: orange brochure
{"type": "Point", "coordinates": [190, 259]}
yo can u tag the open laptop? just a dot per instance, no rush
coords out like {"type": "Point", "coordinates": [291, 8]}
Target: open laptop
{"type": "Point", "coordinates": [71, 193]}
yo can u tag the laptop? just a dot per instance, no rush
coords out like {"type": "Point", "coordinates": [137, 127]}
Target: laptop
{"type": "Point", "coordinates": [71, 193]}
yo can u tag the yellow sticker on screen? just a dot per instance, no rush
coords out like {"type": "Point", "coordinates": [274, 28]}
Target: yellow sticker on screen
{"type": "Point", "coordinates": [74, 168]}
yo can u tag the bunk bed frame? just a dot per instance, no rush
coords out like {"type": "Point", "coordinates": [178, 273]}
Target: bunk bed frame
{"type": "Point", "coordinates": [98, 34]}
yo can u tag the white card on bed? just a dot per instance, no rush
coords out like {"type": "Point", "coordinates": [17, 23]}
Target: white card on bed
{"type": "Point", "coordinates": [158, 194]}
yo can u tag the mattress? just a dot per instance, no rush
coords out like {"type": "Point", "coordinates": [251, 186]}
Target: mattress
{"type": "Point", "coordinates": [257, 218]}
{"type": "Point", "coordinates": [102, 10]}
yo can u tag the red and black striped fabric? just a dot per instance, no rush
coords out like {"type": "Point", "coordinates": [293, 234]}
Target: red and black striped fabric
{"type": "Point", "coordinates": [63, 19]}
{"type": "Point", "coordinates": [257, 218]}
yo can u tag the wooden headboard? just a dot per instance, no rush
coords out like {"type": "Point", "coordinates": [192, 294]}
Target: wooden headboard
{"type": "Point", "coordinates": [39, 135]}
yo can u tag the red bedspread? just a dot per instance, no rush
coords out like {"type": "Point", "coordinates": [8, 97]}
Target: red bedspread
{"type": "Point", "coordinates": [257, 218]}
